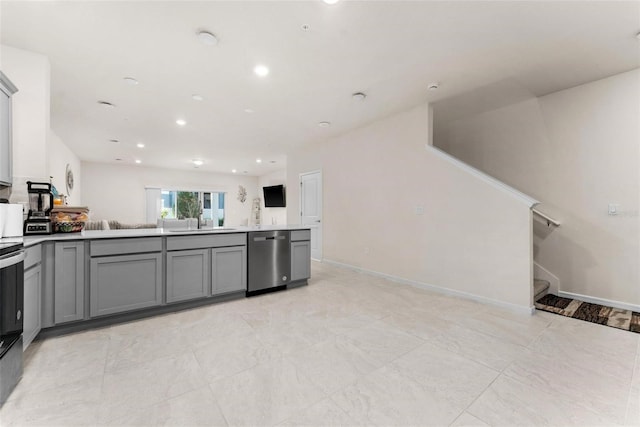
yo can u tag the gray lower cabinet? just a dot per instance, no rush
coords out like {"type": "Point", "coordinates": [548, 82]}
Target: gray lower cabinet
{"type": "Point", "coordinates": [32, 308]}
{"type": "Point", "coordinates": [187, 275]}
{"type": "Point", "coordinates": [125, 283]}
{"type": "Point", "coordinates": [228, 269]}
{"type": "Point", "coordinates": [69, 282]}
{"type": "Point", "coordinates": [300, 260]}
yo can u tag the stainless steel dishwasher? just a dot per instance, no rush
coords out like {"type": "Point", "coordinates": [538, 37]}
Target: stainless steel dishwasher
{"type": "Point", "coordinates": [269, 260]}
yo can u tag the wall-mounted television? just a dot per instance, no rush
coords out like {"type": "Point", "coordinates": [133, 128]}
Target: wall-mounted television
{"type": "Point", "coordinates": [274, 196]}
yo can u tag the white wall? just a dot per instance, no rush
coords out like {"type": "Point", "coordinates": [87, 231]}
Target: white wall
{"type": "Point", "coordinates": [471, 238]}
{"type": "Point", "coordinates": [576, 150]}
{"type": "Point", "coordinates": [117, 192]}
{"type": "Point", "coordinates": [273, 215]}
{"type": "Point", "coordinates": [30, 72]}
{"type": "Point", "coordinates": [59, 157]}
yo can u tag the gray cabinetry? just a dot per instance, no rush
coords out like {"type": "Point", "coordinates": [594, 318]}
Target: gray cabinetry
{"type": "Point", "coordinates": [125, 283]}
{"type": "Point", "coordinates": [222, 270]}
{"type": "Point", "coordinates": [32, 295]}
{"type": "Point", "coordinates": [48, 284]}
{"type": "Point", "coordinates": [300, 260]}
{"type": "Point", "coordinates": [95, 280]}
{"type": "Point", "coordinates": [69, 282]}
{"type": "Point", "coordinates": [6, 90]}
{"type": "Point", "coordinates": [300, 255]}
{"type": "Point", "coordinates": [228, 269]}
{"type": "Point", "coordinates": [206, 241]}
{"type": "Point", "coordinates": [187, 274]}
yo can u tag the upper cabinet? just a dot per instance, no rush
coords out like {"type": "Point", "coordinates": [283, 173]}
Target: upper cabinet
{"type": "Point", "coordinates": [6, 90]}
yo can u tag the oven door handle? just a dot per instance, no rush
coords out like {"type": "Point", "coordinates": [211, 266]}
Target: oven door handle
{"type": "Point", "coordinates": [13, 259]}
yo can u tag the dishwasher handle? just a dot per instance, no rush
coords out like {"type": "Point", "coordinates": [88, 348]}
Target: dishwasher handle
{"type": "Point", "coordinates": [262, 239]}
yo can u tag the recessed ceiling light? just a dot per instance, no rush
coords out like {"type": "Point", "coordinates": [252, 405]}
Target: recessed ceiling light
{"type": "Point", "coordinates": [181, 122]}
{"type": "Point", "coordinates": [106, 104]}
{"type": "Point", "coordinates": [138, 161]}
{"type": "Point", "coordinates": [197, 97]}
{"type": "Point", "coordinates": [248, 110]}
{"type": "Point", "coordinates": [261, 70]}
{"type": "Point", "coordinates": [207, 38]}
{"type": "Point", "coordinates": [131, 81]}
{"type": "Point", "coordinates": [258, 160]}
{"type": "Point", "coordinates": [434, 86]}
{"type": "Point", "coordinates": [233, 171]}
{"type": "Point", "coordinates": [198, 162]}
{"type": "Point", "coordinates": [114, 141]}
{"type": "Point", "coordinates": [140, 145]}
{"type": "Point", "coordinates": [330, 1]}
{"type": "Point", "coordinates": [324, 124]}
{"type": "Point", "coordinates": [359, 96]}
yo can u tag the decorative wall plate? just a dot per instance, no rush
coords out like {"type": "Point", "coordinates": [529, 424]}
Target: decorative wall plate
{"type": "Point", "coordinates": [69, 179]}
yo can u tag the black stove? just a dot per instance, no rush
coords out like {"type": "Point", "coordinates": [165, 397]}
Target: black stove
{"type": "Point", "coordinates": [11, 315]}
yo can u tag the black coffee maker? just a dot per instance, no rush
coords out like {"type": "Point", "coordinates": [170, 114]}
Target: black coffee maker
{"type": "Point", "coordinates": [40, 204]}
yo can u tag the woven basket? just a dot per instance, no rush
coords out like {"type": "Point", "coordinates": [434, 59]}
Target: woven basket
{"type": "Point", "coordinates": [68, 227]}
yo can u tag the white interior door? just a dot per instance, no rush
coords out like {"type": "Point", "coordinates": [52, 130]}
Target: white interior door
{"type": "Point", "coordinates": [311, 209]}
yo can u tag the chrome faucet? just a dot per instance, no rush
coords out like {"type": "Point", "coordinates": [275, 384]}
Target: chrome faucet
{"type": "Point", "coordinates": [200, 219]}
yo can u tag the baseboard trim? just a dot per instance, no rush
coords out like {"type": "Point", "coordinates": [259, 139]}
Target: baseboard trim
{"type": "Point", "coordinates": [601, 301]}
{"type": "Point", "coordinates": [439, 289]}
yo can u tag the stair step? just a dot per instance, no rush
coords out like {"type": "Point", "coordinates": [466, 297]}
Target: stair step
{"type": "Point", "coordinates": [540, 288]}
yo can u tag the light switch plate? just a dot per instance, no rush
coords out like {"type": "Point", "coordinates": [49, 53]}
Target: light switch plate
{"type": "Point", "coordinates": [613, 209]}
{"type": "Point", "coordinates": [419, 210]}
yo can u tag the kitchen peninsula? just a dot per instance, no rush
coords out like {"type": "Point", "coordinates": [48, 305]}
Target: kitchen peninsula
{"type": "Point", "coordinates": [95, 278]}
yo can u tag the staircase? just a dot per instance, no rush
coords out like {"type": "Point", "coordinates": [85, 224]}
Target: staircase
{"type": "Point", "coordinates": [540, 288]}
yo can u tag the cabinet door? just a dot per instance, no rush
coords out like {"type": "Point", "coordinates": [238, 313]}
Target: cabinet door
{"type": "Point", "coordinates": [124, 283]}
{"type": "Point", "coordinates": [187, 274]}
{"type": "Point", "coordinates": [6, 174]}
{"type": "Point", "coordinates": [228, 269]}
{"type": "Point", "coordinates": [32, 289]}
{"type": "Point", "coordinates": [69, 282]}
{"type": "Point", "coordinates": [300, 260]}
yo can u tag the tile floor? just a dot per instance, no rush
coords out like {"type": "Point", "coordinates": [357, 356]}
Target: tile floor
{"type": "Point", "coordinates": [348, 349]}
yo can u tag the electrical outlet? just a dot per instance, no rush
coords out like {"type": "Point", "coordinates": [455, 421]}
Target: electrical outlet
{"type": "Point", "coordinates": [613, 209]}
{"type": "Point", "coordinates": [419, 210]}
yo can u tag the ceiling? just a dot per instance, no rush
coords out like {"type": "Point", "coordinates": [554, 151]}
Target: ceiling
{"type": "Point", "coordinates": [390, 50]}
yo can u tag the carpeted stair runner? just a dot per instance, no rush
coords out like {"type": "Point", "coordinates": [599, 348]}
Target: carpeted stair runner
{"type": "Point", "coordinates": [595, 313]}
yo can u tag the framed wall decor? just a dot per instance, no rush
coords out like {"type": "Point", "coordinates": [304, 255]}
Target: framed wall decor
{"type": "Point", "coordinates": [68, 179]}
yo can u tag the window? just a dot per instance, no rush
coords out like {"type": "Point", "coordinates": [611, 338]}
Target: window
{"type": "Point", "coordinates": [213, 208]}
{"type": "Point", "coordinates": [177, 204]}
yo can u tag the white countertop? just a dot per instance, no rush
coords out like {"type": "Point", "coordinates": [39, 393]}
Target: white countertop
{"type": "Point", "coordinates": [143, 232]}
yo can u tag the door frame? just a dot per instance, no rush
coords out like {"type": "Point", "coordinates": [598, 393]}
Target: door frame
{"type": "Point", "coordinates": [318, 171]}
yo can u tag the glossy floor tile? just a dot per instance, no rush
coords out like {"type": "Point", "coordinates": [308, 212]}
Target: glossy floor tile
{"type": "Point", "coordinates": [511, 402]}
{"type": "Point", "coordinates": [347, 350]}
{"type": "Point", "coordinates": [467, 420]}
{"type": "Point", "coordinates": [326, 413]}
{"type": "Point", "coordinates": [194, 408]}
{"type": "Point", "coordinates": [389, 396]}
{"type": "Point", "coordinates": [266, 394]}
